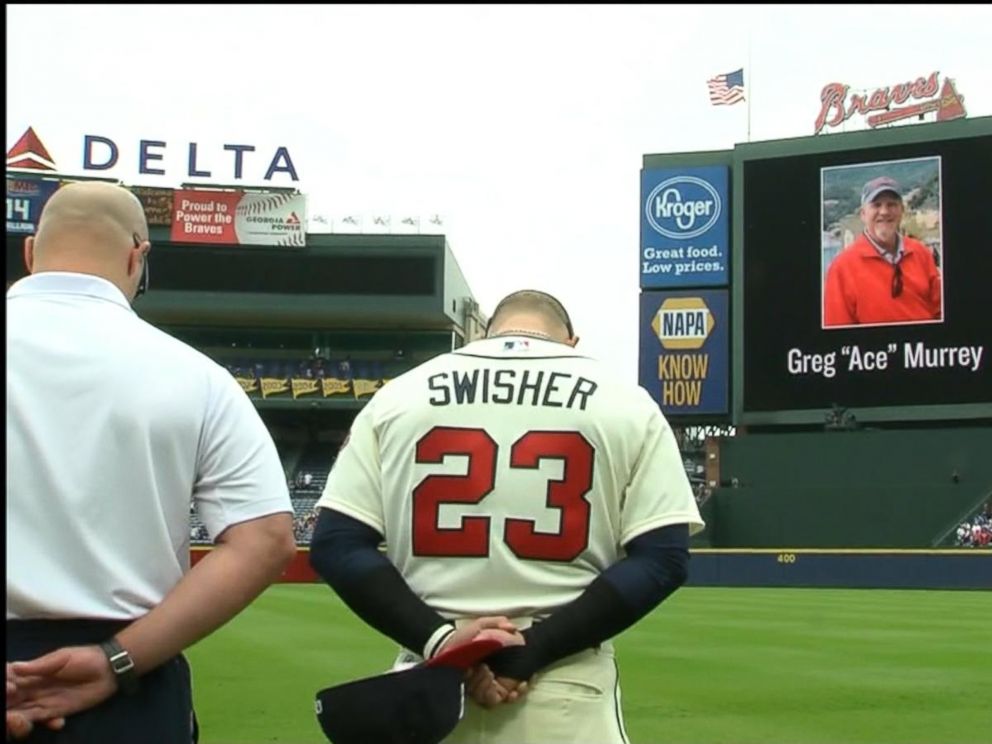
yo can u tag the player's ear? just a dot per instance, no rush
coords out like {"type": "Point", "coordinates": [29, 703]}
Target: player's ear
{"type": "Point", "coordinates": [29, 252]}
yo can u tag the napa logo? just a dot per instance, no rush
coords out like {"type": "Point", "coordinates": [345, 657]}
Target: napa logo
{"type": "Point", "coordinates": [683, 207]}
{"type": "Point", "coordinates": [683, 323]}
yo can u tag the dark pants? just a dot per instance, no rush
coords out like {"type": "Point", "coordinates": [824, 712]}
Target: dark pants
{"type": "Point", "coordinates": [161, 712]}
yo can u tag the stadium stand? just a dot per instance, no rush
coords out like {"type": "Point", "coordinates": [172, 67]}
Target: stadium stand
{"type": "Point", "coordinates": [976, 532]}
{"type": "Point", "coordinates": [311, 470]}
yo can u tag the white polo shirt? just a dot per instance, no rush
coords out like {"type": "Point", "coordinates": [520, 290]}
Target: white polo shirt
{"type": "Point", "coordinates": [112, 426]}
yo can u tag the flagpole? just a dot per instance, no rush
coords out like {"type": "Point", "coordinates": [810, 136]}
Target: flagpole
{"type": "Point", "coordinates": [750, 85]}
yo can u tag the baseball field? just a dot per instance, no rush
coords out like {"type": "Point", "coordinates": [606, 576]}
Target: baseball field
{"type": "Point", "coordinates": [710, 666]}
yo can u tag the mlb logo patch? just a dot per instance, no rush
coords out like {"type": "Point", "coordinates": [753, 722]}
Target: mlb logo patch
{"type": "Point", "coordinates": [516, 345]}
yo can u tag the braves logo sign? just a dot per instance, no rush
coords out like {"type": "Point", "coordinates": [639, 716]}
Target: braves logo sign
{"type": "Point", "coordinates": [835, 107]}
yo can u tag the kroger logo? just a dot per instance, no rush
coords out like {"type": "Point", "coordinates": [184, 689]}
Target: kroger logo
{"type": "Point", "coordinates": [683, 207]}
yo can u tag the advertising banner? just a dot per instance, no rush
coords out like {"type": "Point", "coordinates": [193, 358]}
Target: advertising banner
{"type": "Point", "coordinates": [685, 227]}
{"type": "Point", "coordinates": [684, 351]}
{"type": "Point", "coordinates": [335, 386]}
{"type": "Point", "coordinates": [304, 387]}
{"type": "Point", "coordinates": [26, 197]}
{"type": "Point", "coordinates": [238, 218]}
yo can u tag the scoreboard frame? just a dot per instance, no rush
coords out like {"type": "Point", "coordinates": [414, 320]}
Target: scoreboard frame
{"type": "Point", "coordinates": [866, 142]}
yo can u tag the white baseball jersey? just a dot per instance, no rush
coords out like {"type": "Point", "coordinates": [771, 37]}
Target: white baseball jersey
{"type": "Point", "coordinates": [506, 475]}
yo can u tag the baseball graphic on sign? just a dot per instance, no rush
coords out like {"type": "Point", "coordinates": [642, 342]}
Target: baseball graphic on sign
{"type": "Point", "coordinates": [270, 219]}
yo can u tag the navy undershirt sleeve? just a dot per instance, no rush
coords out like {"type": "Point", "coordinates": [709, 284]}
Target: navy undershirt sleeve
{"type": "Point", "coordinates": [656, 565]}
{"type": "Point", "coordinates": [345, 553]}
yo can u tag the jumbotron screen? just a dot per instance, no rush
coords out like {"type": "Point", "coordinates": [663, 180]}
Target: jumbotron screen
{"type": "Point", "coordinates": [868, 277]}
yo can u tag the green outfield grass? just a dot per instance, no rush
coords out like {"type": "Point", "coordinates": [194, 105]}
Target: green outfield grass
{"type": "Point", "coordinates": [710, 666]}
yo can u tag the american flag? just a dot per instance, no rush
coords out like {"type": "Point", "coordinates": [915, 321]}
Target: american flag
{"type": "Point", "coordinates": [726, 90]}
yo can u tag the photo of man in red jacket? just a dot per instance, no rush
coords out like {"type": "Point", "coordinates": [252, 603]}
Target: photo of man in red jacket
{"type": "Point", "coordinates": [884, 276]}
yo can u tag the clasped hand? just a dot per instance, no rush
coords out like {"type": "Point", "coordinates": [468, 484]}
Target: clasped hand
{"type": "Point", "coordinates": [47, 689]}
{"type": "Point", "coordinates": [484, 687]}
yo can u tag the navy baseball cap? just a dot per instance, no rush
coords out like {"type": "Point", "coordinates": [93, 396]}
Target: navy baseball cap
{"type": "Point", "coordinates": [420, 705]}
{"type": "Point", "coordinates": [877, 186]}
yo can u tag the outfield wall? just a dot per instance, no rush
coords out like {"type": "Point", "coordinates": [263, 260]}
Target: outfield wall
{"type": "Point", "coordinates": [851, 569]}
{"type": "Point", "coordinates": [892, 489]}
{"type": "Point", "coordinates": [848, 569]}
{"type": "Point", "coordinates": [298, 572]}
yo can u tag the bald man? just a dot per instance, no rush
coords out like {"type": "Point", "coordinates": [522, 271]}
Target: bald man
{"type": "Point", "coordinates": [92, 228]}
{"type": "Point", "coordinates": [112, 428]}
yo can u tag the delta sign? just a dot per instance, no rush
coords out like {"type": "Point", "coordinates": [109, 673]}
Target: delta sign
{"type": "Point", "coordinates": [100, 154]}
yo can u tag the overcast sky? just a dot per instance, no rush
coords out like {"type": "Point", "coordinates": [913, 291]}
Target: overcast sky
{"type": "Point", "coordinates": [523, 127]}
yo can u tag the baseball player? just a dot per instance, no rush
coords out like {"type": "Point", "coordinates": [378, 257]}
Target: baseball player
{"type": "Point", "coordinates": [512, 478]}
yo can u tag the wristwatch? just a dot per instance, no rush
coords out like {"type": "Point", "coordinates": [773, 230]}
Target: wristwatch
{"type": "Point", "coordinates": [122, 665]}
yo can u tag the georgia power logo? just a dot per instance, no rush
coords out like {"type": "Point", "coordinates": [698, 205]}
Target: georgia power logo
{"type": "Point", "coordinates": [683, 207]}
{"type": "Point", "coordinates": [683, 323]}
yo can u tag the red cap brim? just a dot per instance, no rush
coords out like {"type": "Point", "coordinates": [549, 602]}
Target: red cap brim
{"type": "Point", "coordinates": [466, 655]}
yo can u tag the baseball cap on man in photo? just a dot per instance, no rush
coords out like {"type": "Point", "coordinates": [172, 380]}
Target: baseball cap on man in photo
{"type": "Point", "coordinates": [877, 186]}
{"type": "Point", "coordinates": [420, 705]}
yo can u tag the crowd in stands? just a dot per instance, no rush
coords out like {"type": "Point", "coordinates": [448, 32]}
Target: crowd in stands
{"type": "Point", "coordinates": [198, 534]}
{"type": "Point", "coordinates": [305, 488]}
{"type": "Point", "coordinates": [304, 518]}
{"type": "Point", "coordinates": [303, 523]}
{"type": "Point", "coordinates": [695, 469]}
{"type": "Point", "coordinates": [977, 531]}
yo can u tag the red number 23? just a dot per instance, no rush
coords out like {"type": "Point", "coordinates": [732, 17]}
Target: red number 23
{"type": "Point", "coordinates": [471, 538]}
